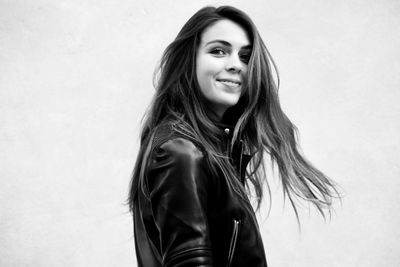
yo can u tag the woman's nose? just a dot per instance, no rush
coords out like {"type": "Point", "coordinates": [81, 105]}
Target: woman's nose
{"type": "Point", "coordinates": [234, 64]}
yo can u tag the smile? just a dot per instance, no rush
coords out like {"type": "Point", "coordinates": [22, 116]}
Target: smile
{"type": "Point", "coordinates": [229, 82]}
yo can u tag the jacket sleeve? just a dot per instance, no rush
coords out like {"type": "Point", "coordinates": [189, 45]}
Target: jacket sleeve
{"type": "Point", "coordinates": [177, 184]}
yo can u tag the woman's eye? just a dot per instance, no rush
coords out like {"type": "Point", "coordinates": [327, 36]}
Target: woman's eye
{"type": "Point", "coordinates": [218, 51]}
{"type": "Point", "coordinates": [245, 58]}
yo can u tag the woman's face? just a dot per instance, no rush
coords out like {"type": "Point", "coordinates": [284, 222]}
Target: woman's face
{"type": "Point", "coordinates": [221, 64]}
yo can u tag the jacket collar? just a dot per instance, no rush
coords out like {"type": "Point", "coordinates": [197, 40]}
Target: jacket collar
{"type": "Point", "coordinates": [237, 155]}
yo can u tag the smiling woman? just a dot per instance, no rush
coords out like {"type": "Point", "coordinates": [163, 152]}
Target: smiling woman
{"type": "Point", "coordinates": [221, 64]}
{"type": "Point", "coordinates": [214, 116]}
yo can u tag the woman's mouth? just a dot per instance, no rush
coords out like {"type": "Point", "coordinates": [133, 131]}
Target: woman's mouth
{"type": "Point", "coordinates": [229, 82]}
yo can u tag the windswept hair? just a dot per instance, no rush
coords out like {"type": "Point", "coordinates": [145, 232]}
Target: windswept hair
{"type": "Point", "coordinates": [258, 118]}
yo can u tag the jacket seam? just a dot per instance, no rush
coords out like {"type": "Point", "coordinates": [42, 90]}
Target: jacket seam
{"type": "Point", "coordinates": [183, 252]}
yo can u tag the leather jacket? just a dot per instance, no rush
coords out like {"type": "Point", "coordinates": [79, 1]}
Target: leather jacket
{"type": "Point", "coordinates": [185, 216]}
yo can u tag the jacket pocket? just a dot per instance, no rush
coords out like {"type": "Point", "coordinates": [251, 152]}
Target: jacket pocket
{"type": "Point", "coordinates": [233, 242]}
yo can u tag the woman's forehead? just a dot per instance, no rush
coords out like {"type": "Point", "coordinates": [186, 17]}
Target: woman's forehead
{"type": "Point", "coordinates": [226, 31]}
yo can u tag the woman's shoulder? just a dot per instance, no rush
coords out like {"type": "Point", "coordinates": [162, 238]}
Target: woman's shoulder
{"type": "Point", "coordinates": [175, 139]}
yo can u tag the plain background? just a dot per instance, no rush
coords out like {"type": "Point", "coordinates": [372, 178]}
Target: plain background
{"type": "Point", "coordinates": [76, 77]}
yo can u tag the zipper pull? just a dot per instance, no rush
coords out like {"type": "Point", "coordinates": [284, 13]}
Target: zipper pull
{"type": "Point", "coordinates": [233, 242]}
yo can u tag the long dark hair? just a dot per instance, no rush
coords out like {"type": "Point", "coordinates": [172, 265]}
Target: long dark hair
{"type": "Point", "coordinates": [258, 117]}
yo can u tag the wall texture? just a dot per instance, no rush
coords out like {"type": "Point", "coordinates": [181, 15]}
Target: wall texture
{"type": "Point", "coordinates": [75, 79]}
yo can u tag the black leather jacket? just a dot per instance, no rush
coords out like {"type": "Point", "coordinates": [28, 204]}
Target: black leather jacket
{"type": "Point", "coordinates": [185, 216]}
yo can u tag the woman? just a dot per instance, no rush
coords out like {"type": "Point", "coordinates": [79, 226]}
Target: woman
{"type": "Point", "coordinates": [216, 109]}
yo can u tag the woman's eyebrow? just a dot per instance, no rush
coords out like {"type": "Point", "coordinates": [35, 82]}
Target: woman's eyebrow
{"type": "Point", "coordinates": [226, 44]}
{"type": "Point", "coordinates": [219, 41]}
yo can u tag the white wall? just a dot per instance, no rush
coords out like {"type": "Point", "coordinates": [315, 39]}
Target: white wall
{"type": "Point", "coordinates": [75, 78]}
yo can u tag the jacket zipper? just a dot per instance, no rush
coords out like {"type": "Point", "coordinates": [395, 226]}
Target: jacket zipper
{"type": "Point", "coordinates": [240, 163]}
{"type": "Point", "coordinates": [232, 245]}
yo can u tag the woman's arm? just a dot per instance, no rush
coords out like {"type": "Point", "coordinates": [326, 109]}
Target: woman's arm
{"type": "Point", "coordinates": [177, 184]}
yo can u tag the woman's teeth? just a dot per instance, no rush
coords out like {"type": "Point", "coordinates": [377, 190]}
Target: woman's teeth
{"type": "Point", "coordinates": [229, 83]}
